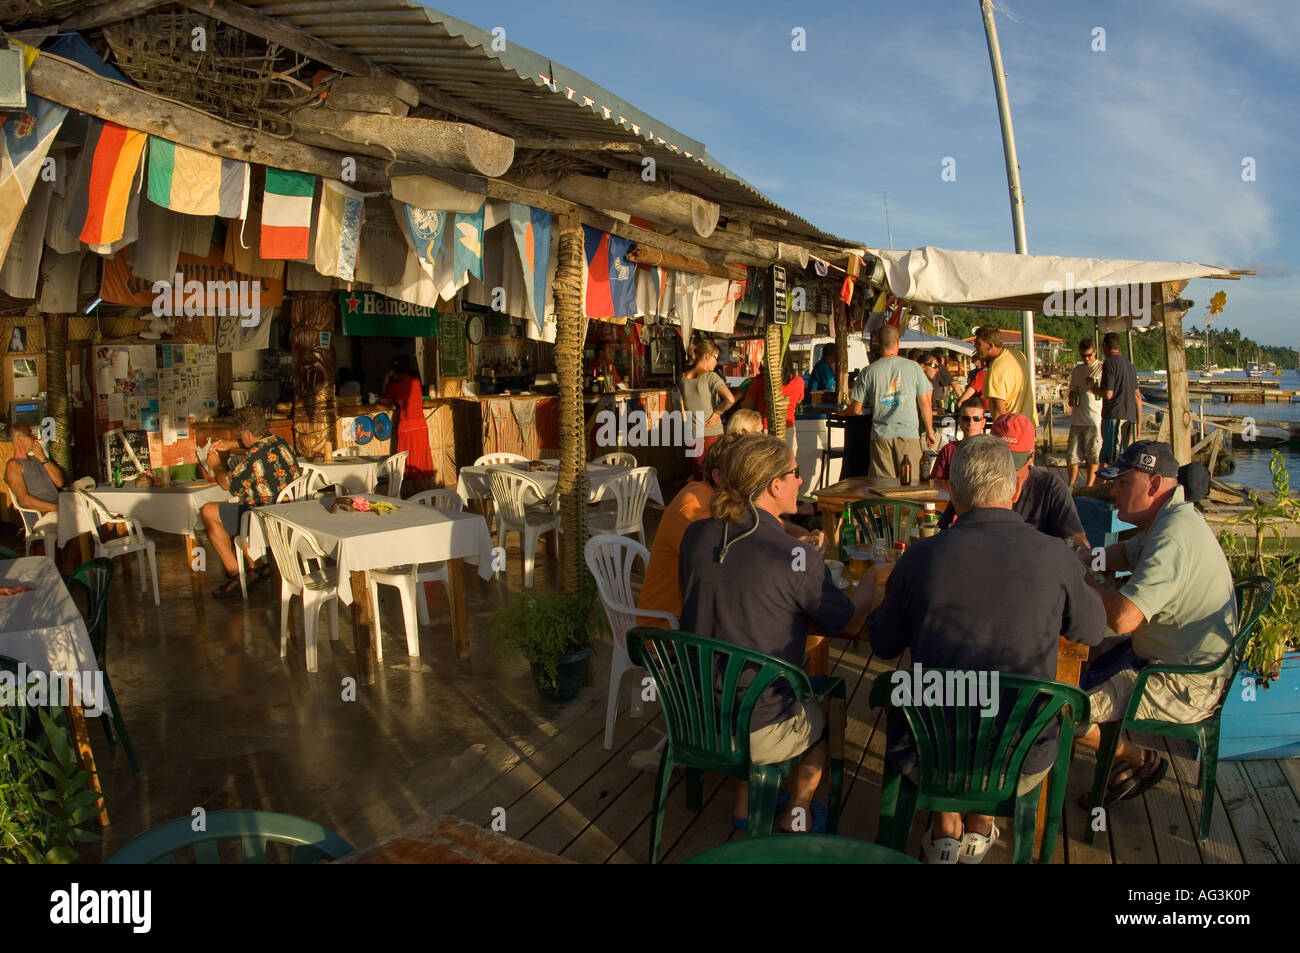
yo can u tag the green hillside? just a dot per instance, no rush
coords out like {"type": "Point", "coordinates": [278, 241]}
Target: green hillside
{"type": "Point", "coordinates": [1230, 348]}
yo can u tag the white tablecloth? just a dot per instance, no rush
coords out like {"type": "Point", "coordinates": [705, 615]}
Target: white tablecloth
{"type": "Point", "coordinates": [167, 509]}
{"type": "Point", "coordinates": [473, 483]}
{"type": "Point", "coordinates": [353, 474]}
{"type": "Point", "coordinates": [43, 628]}
{"type": "Point", "coordinates": [413, 534]}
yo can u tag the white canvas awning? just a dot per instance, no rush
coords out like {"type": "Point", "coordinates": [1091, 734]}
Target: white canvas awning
{"type": "Point", "coordinates": [1050, 284]}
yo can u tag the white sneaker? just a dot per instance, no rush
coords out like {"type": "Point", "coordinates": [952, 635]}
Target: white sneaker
{"type": "Point", "coordinates": [944, 850]}
{"type": "Point", "coordinates": [975, 846]}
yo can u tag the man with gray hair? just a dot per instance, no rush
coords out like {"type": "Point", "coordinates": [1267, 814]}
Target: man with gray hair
{"type": "Point", "coordinates": [1008, 592]}
{"type": "Point", "coordinates": [256, 478]}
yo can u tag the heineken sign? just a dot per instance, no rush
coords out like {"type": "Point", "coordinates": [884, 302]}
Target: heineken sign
{"type": "Point", "coordinates": [366, 314]}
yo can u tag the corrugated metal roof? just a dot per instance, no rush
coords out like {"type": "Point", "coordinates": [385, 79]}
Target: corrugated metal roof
{"type": "Point", "coordinates": [429, 47]}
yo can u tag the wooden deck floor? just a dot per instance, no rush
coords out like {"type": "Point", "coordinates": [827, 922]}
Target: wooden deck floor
{"type": "Point", "coordinates": [576, 799]}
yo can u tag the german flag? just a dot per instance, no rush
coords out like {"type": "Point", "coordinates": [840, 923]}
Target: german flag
{"type": "Point", "coordinates": [106, 174]}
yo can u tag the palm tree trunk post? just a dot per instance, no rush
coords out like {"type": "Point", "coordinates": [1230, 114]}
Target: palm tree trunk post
{"type": "Point", "coordinates": [572, 489]}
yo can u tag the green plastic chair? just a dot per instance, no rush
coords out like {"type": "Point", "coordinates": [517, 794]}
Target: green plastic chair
{"type": "Point", "coordinates": [91, 581]}
{"type": "Point", "coordinates": [885, 519]}
{"type": "Point", "coordinates": [971, 763]}
{"type": "Point", "coordinates": [801, 849]}
{"type": "Point", "coordinates": [1253, 596]}
{"type": "Point", "coordinates": [253, 829]}
{"type": "Point", "coordinates": [708, 723]}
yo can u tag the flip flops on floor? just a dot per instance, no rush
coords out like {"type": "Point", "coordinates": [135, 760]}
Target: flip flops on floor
{"type": "Point", "coordinates": [819, 814]}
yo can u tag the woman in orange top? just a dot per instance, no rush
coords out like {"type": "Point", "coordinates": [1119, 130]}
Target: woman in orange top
{"type": "Point", "coordinates": [661, 590]}
{"type": "Point", "coordinates": [402, 387]}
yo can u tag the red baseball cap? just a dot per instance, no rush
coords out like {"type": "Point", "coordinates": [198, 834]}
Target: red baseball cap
{"type": "Point", "coordinates": [1018, 432]}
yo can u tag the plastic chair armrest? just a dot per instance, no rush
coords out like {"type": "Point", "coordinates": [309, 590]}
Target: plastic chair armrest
{"type": "Point", "coordinates": [1139, 687]}
{"type": "Point", "coordinates": [833, 687]}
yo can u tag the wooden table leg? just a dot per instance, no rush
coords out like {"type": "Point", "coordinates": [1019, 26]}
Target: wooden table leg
{"type": "Point", "coordinates": [87, 550]}
{"type": "Point", "coordinates": [819, 655]}
{"type": "Point", "coordinates": [196, 581]}
{"type": "Point", "coordinates": [1070, 657]}
{"type": "Point", "coordinates": [456, 597]}
{"type": "Point", "coordinates": [361, 619]}
{"type": "Point", "coordinates": [77, 720]}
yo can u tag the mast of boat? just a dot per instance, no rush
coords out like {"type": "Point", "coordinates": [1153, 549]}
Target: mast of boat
{"type": "Point", "coordinates": [1027, 338]}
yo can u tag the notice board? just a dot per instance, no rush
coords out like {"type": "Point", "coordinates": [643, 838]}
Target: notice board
{"type": "Point", "coordinates": [453, 349]}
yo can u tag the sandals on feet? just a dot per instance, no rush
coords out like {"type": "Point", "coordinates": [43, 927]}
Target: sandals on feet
{"type": "Point", "coordinates": [227, 589]}
{"type": "Point", "coordinates": [974, 846]}
{"type": "Point", "coordinates": [1127, 783]}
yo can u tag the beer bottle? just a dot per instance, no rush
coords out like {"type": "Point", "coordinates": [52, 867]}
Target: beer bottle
{"type": "Point", "coordinates": [848, 536]}
{"type": "Point", "coordinates": [905, 471]}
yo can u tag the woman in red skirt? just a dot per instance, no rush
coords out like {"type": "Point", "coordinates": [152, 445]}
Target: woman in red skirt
{"type": "Point", "coordinates": [402, 387]}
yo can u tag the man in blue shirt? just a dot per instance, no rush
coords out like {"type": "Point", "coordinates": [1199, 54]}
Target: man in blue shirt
{"type": "Point", "coordinates": [899, 395]}
{"type": "Point", "coordinates": [823, 372]}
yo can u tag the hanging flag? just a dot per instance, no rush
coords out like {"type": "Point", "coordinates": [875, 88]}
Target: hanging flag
{"type": "Point", "coordinates": [104, 181]}
{"type": "Point", "coordinates": [611, 288]}
{"type": "Point", "coordinates": [532, 231]}
{"type": "Point", "coordinates": [197, 183]}
{"type": "Point", "coordinates": [467, 252]}
{"type": "Point", "coordinates": [425, 230]}
{"type": "Point", "coordinates": [338, 229]}
{"type": "Point", "coordinates": [24, 140]}
{"type": "Point", "coordinates": [286, 214]}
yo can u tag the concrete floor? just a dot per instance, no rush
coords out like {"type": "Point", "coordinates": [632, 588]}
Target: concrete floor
{"type": "Point", "coordinates": [220, 721]}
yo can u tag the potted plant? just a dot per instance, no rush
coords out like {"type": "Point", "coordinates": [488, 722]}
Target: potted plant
{"type": "Point", "coordinates": [552, 631]}
{"type": "Point", "coordinates": [1259, 724]}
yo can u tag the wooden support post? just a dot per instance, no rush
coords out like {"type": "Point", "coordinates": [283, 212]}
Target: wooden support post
{"type": "Point", "coordinates": [776, 399]}
{"type": "Point", "coordinates": [572, 487]}
{"type": "Point", "coordinates": [841, 319]}
{"type": "Point", "coordinates": [1180, 410]}
{"type": "Point", "coordinates": [56, 388]}
{"type": "Point", "coordinates": [225, 375]}
{"type": "Point", "coordinates": [314, 408]}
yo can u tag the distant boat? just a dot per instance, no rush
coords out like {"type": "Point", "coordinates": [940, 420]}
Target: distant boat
{"type": "Point", "coordinates": [1254, 370]}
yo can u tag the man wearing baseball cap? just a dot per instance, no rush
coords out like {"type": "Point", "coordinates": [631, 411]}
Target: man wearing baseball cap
{"type": "Point", "coordinates": [1043, 500]}
{"type": "Point", "coordinates": [1177, 605]}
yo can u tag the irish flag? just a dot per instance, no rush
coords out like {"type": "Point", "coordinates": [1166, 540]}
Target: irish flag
{"type": "Point", "coordinates": [196, 183]}
{"type": "Point", "coordinates": [286, 214]}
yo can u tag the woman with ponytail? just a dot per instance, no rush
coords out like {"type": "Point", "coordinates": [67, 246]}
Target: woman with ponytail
{"type": "Point", "coordinates": [745, 581]}
{"type": "Point", "coordinates": [705, 397]}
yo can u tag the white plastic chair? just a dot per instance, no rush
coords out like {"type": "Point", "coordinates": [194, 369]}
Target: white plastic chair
{"type": "Point", "coordinates": [135, 541]}
{"type": "Point", "coordinates": [408, 579]}
{"type": "Point", "coordinates": [393, 469]}
{"type": "Point", "coordinates": [295, 551]}
{"type": "Point", "coordinates": [496, 459]}
{"type": "Point", "coordinates": [352, 451]}
{"type": "Point", "coordinates": [611, 559]}
{"type": "Point", "coordinates": [301, 488]}
{"type": "Point", "coordinates": [511, 490]}
{"type": "Point", "coordinates": [617, 460]}
{"type": "Point", "coordinates": [36, 523]}
{"type": "Point", "coordinates": [308, 469]}
{"type": "Point", "coordinates": [630, 491]}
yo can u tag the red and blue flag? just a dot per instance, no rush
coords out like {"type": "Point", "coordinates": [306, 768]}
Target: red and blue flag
{"type": "Point", "coordinates": [611, 285]}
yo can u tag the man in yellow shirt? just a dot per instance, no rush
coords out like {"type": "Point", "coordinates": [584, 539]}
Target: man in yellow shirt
{"type": "Point", "coordinates": [1007, 388]}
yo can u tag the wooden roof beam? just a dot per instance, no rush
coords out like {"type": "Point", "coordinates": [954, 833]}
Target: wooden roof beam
{"type": "Point", "coordinates": [101, 14]}
{"type": "Point", "coordinates": [63, 81]}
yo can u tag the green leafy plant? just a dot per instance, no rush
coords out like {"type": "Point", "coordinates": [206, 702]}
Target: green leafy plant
{"type": "Point", "coordinates": [45, 803]}
{"type": "Point", "coordinates": [1277, 629]}
{"type": "Point", "coordinates": [542, 627]}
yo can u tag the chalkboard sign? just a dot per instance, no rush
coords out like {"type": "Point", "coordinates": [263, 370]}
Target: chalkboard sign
{"type": "Point", "coordinates": [453, 351]}
{"type": "Point", "coordinates": [780, 310]}
{"type": "Point", "coordinates": [115, 452]}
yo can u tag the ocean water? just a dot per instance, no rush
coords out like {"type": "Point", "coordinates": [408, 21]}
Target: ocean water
{"type": "Point", "coordinates": [1251, 468]}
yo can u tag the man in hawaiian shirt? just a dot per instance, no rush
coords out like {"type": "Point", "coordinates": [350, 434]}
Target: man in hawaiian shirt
{"type": "Point", "coordinates": [256, 479]}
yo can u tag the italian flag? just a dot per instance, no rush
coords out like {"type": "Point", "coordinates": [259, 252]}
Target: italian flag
{"type": "Point", "coordinates": [286, 214]}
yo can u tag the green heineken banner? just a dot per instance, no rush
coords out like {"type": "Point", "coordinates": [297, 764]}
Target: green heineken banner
{"type": "Point", "coordinates": [367, 314]}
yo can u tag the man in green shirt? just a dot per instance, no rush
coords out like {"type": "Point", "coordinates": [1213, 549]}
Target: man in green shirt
{"type": "Point", "coordinates": [1178, 605]}
{"type": "Point", "coordinates": [899, 395]}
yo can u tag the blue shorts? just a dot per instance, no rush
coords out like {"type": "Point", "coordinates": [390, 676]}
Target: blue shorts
{"type": "Point", "coordinates": [1119, 659]}
{"type": "Point", "coordinates": [232, 514]}
{"type": "Point", "coordinates": [1116, 435]}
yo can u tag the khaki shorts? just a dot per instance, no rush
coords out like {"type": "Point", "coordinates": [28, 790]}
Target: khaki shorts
{"type": "Point", "coordinates": [1030, 781]}
{"type": "Point", "coordinates": [1181, 699]}
{"type": "Point", "coordinates": [1084, 445]}
{"type": "Point", "coordinates": [787, 739]}
{"type": "Point", "coordinates": [887, 456]}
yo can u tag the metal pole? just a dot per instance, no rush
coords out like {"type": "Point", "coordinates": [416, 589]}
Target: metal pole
{"type": "Point", "coordinates": [1013, 174]}
{"type": "Point", "coordinates": [885, 198]}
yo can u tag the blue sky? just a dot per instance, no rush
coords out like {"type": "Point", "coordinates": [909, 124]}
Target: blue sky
{"type": "Point", "coordinates": [1131, 152]}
